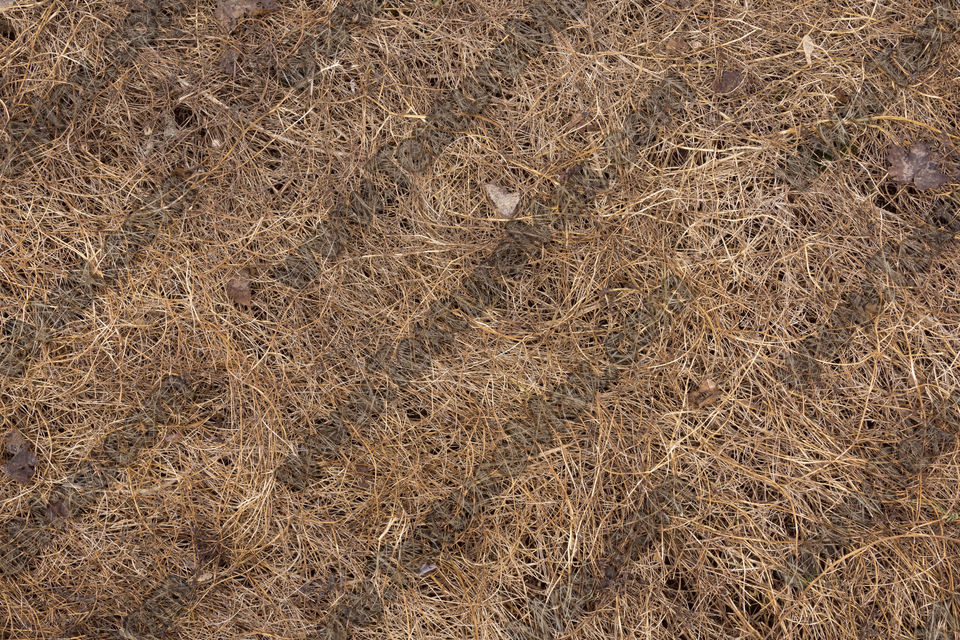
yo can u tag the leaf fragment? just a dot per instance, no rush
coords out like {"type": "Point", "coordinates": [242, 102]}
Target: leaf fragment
{"type": "Point", "coordinates": [57, 509]}
{"type": "Point", "coordinates": [705, 394]}
{"type": "Point", "coordinates": [14, 441]}
{"type": "Point", "coordinates": [229, 62]}
{"type": "Point", "coordinates": [230, 11]}
{"type": "Point", "coordinates": [22, 465]}
{"type": "Point", "coordinates": [728, 82]}
{"type": "Point", "coordinates": [808, 47]}
{"type": "Point", "coordinates": [503, 201]}
{"type": "Point", "coordinates": [676, 46]}
{"type": "Point", "coordinates": [930, 178]}
{"type": "Point", "coordinates": [238, 288]}
{"type": "Point", "coordinates": [919, 165]}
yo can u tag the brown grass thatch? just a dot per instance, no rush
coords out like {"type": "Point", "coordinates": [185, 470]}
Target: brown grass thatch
{"type": "Point", "coordinates": [553, 319]}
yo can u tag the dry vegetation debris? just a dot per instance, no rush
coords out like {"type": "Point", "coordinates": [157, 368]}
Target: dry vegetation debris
{"type": "Point", "coordinates": [230, 11]}
{"type": "Point", "coordinates": [551, 319]}
{"type": "Point", "coordinates": [238, 288]}
{"type": "Point", "coordinates": [918, 165]}
{"type": "Point", "coordinates": [23, 461]}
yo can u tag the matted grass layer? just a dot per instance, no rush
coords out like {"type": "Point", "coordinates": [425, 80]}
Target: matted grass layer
{"type": "Point", "coordinates": [702, 382]}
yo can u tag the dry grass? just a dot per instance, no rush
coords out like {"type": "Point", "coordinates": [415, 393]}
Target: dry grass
{"type": "Point", "coordinates": [703, 385]}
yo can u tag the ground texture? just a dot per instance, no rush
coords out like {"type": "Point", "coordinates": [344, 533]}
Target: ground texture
{"type": "Point", "coordinates": [479, 319]}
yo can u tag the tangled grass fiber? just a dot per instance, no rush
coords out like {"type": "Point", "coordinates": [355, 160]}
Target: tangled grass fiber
{"type": "Point", "coordinates": [273, 365]}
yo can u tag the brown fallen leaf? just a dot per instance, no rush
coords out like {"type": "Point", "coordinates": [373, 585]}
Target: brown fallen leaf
{"type": "Point", "coordinates": [728, 82]}
{"type": "Point", "coordinates": [229, 62]}
{"type": "Point", "coordinates": [504, 201]}
{"type": "Point", "coordinates": [920, 165]}
{"type": "Point", "coordinates": [57, 509]}
{"type": "Point", "coordinates": [676, 46]}
{"type": "Point", "coordinates": [569, 171]}
{"type": "Point", "coordinates": [230, 11]}
{"type": "Point", "coordinates": [14, 441]}
{"type": "Point", "coordinates": [577, 120]}
{"type": "Point", "coordinates": [806, 43]}
{"type": "Point", "coordinates": [705, 394]}
{"type": "Point", "coordinates": [21, 466]}
{"type": "Point", "coordinates": [238, 288]}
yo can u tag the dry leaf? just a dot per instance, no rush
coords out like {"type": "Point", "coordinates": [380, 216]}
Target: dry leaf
{"type": "Point", "coordinates": [577, 120]}
{"type": "Point", "coordinates": [676, 46]}
{"type": "Point", "coordinates": [229, 11]}
{"type": "Point", "coordinates": [728, 82]}
{"type": "Point", "coordinates": [807, 45]}
{"type": "Point", "coordinates": [425, 569]}
{"type": "Point", "coordinates": [56, 509]}
{"type": "Point", "coordinates": [6, 4]}
{"type": "Point", "coordinates": [21, 466]}
{"type": "Point", "coordinates": [919, 165]}
{"type": "Point", "coordinates": [570, 171]}
{"type": "Point", "coordinates": [238, 288]}
{"type": "Point", "coordinates": [930, 178]}
{"type": "Point", "coordinates": [230, 61]}
{"type": "Point", "coordinates": [705, 394]}
{"type": "Point", "coordinates": [14, 441]}
{"type": "Point", "coordinates": [504, 201]}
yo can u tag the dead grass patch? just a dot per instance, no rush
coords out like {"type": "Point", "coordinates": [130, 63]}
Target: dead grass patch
{"type": "Point", "coordinates": [366, 319]}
